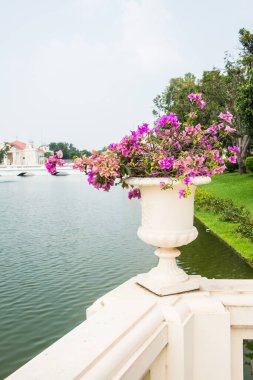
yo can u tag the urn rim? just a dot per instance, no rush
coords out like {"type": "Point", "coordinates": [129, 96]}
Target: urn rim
{"type": "Point", "coordinates": [148, 181]}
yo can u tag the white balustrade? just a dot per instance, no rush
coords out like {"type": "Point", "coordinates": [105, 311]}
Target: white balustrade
{"type": "Point", "coordinates": [132, 333]}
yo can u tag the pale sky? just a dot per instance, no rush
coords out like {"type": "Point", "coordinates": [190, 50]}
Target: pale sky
{"type": "Point", "coordinates": [87, 71]}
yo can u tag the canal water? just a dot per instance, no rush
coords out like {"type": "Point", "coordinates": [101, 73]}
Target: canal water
{"type": "Point", "coordinates": [63, 244]}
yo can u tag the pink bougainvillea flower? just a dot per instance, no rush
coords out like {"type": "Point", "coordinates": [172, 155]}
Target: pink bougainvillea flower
{"type": "Point", "coordinates": [60, 162]}
{"type": "Point", "coordinates": [219, 170]}
{"type": "Point", "coordinates": [191, 97]}
{"type": "Point", "coordinates": [229, 129]}
{"type": "Point", "coordinates": [197, 98]}
{"type": "Point", "coordinates": [202, 104]}
{"type": "Point", "coordinates": [215, 154]}
{"type": "Point", "coordinates": [59, 154]}
{"type": "Point", "coordinates": [143, 128]}
{"type": "Point", "coordinates": [182, 193]}
{"type": "Point", "coordinates": [112, 146]}
{"type": "Point", "coordinates": [232, 159]}
{"type": "Point", "coordinates": [51, 168]}
{"type": "Point", "coordinates": [187, 181]}
{"type": "Point", "coordinates": [78, 164]}
{"type": "Point", "coordinates": [234, 148]}
{"type": "Point", "coordinates": [52, 161]}
{"type": "Point", "coordinates": [90, 177]}
{"type": "Point", "coordinates": [166, 163]}
{"type": "Point", "coordinates": [135, 193]}
{"type": "Point", "coordinates": [163, 120]}
{"type": "Point", "coordinates": [226, 116]}
{"type": "Point", "coordinates": [190, 130]}
{"type": "Point", "coordinates": [212, 129]}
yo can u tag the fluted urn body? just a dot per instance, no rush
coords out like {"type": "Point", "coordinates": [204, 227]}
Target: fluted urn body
{"type": "Point", "coordinates": [167, 223]}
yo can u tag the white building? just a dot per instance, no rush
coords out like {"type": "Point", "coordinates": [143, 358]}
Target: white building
{"type": "Point", "coordinates": [25, 154]}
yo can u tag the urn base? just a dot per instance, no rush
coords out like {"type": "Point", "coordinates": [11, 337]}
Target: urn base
{"type": "Point", "coordinates": [162, 289]}
{"type": "Point", "coordinates": [167, 278]}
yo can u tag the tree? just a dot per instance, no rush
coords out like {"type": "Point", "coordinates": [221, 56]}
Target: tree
{"type": "Point", "coordinates": [239, 78]}
{"type": "Point", "coordinates": [3, 151]}
{"type": "Point", "coordinates": [230, 90]}
{"type": "Point", "coordinates": [47, 154]}
{"type": "Point", "coordinates": [244, 103]}
{"type": "Point", "coordinates": [246, 56]}
{"type": "Point", "coordinates": [69, 150]}
{"type": "Point", "coordinates": [212, 85]}
{"type": "Point", "coordinates": [235, 79]}
{"type": "Point", "coordinates": [84, 152]}
{"type": "Point", "coordinates": [63, 146]}
{"type": "Point", "coordinates": [174, 97]}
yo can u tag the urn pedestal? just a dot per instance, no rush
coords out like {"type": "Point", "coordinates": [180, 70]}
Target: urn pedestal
{"type": "Point", "coordinates": [167, 223]}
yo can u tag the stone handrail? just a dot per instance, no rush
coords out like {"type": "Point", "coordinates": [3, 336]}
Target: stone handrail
{"type": "Point", "coordinates": [133, 334]}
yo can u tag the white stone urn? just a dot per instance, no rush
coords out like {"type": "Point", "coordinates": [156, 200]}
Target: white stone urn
{"type": "Point", "coordinates": [167, 223]}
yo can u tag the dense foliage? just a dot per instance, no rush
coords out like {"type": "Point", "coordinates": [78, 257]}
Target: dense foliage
{"type": "Point", "coordinates": [69, 150]}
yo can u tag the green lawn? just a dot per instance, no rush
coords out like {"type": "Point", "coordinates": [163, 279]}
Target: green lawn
{"type": "Point", "coordinates": [233, 186]}
{"type": "Point", "coordinates": [240, 190]}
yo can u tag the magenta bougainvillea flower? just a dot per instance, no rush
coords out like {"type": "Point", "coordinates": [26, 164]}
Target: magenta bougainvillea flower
{"type": "Point", "coordinates": [135, 193]}
{"type": "Point", "coordinates": [171, 148]}
{"type": "Point", "coordinates": [54, 160]}
{"type": "Point", "coordinates": [197, 98]}
{"type": "Point", "coordinates": [226, 116]}
{"type": "Point", "coordinates": [232, 159]}
{"type": "Point", "coordinates": [234, 148]}
{"type": "Point", "coordinates": [182, 193]}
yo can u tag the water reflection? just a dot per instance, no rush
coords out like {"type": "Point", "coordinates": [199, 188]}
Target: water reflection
{"type": "Point", "coordinates": [210, 257]}
{"type": "Point", "coordinates": [248, 359]}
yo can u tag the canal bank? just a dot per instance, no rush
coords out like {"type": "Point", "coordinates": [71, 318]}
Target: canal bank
{"type": "Point", "coordinates": [225, 207]}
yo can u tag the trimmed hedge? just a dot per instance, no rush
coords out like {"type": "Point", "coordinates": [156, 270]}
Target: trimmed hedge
{"type": "Point", "coordinates": [227, 212]}
{"type": "Point", "coordinates": [249, 164]}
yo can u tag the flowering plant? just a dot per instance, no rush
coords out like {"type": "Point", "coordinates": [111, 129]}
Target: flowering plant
{"type": "Point", "coordinates": [174, 149]}
{"type": "Point", "coordinates": [53, 161]}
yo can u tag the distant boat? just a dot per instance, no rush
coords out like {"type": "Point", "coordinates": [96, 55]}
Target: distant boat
{"type": "Point", "coordinates": [60, 174]}
{"type": "Point", "coordinates": [25, 174]}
